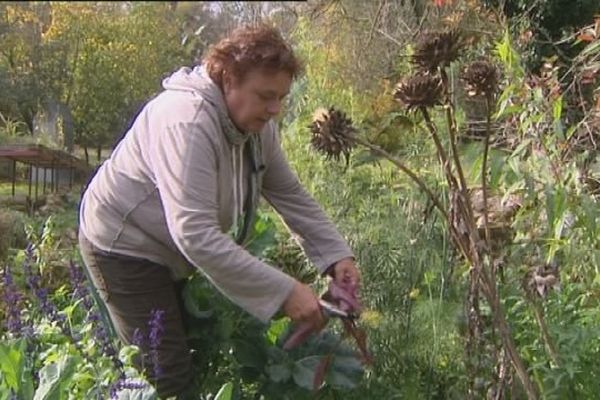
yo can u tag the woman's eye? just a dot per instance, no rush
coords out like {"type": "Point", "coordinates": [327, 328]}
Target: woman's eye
{"type": "Point", "coordinates": [267, 97]}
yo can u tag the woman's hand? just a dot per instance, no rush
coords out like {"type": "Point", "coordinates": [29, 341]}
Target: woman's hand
{"type": "Point", "coordinates": [302, 305]}
{"type": "Point", "coordinates": [345, 271]}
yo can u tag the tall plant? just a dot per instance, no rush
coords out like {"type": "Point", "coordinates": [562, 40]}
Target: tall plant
{"type": "Point", "coordinates": [427, 89]}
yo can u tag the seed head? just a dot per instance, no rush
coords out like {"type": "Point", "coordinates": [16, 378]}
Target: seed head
{"type": "Point", "coordinates": [419, 91]}
{"type": "Point", "coordinates": [332, 133]}
{"type": "Point", "coordinates": [480, 78]}
{"type": "Point", "coordinates": [437, 49]}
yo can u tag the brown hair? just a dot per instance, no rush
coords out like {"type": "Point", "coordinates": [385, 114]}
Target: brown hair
{"type": "Point", "coordinates": [249, 47]}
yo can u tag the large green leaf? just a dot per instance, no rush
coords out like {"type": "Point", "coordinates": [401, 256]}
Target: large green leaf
{"type": "Point", "coordinates": [304, 371]}
{"type": "Point", "coordinates": [12, 367]}
{"type": "Point", "coordinates": [11, 361]}
{"type": "Point", "coordinates": [345, 372]}
{"type": "Point", "coordinates": [262, 235]}
{"type": "Point", "coordinates": [54, 378]}
{"type": "Point", "coordinates": [196, 299]}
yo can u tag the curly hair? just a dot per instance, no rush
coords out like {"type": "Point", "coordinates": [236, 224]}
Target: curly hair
{"type": "Point", "coordinates": [251, 47]}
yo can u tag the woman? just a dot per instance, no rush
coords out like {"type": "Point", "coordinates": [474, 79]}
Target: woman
{"type": "Point", "coordinates": [191, 167]}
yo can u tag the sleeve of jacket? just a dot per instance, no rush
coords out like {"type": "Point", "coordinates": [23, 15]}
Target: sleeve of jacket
{"type": "Point", "coordinates": [316, 233]}
{"type": "Point", "coordinates": [184, 162]}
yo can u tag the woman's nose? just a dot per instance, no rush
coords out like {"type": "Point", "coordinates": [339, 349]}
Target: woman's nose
{"type": "Point", "coordinates": [274, 107]}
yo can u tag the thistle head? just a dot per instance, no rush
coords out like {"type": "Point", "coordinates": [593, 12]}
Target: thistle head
{"type": "Point", "coordinates": [437, 49]}
{"type": "Point", "coordinates": [332, 133]}
{"type": "Point", "coordinates": [419, 91]}
{"type": "Point", "coordinates": [480, 78]}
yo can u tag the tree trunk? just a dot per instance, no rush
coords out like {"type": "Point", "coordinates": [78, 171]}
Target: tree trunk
{"type": "Point", "coordinates": [87, 155]}
{"type": "Point", "coordinates": [99, 152]}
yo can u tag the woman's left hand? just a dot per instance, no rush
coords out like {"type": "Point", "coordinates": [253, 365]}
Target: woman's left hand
{"type": "Point", "coordinates": [345, 271]}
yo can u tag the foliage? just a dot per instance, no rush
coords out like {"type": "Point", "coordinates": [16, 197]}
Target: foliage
{"type": "Point", "coordinates": [543, 152]}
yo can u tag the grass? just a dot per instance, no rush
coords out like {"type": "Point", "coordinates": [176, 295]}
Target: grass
{"type": "Point", "coordinates": [20, 188]}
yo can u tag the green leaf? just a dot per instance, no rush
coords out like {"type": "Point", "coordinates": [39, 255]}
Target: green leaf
{"type": "Point", "coordinates": [279, 372]}
{"type": "Point", "coordinates": [196, 299]}
{"type": "Point", "coordinates": [262, 235]}
{"type": "Point", "coordinates": [226, 392]}
{"type": "Point", "coordinates": [276, 329]}
{"type": "Point", "coordinates": [250, 354]}
{"type": "Point", "coordinates": [11, 363]}
{"type": "Point", "coordinates": [55, 378]}
{"type": "Point", "coordinates": [147, 392]}
{"type": "Point", "coordinates": [304, 371]}
{"type": "Point", "coordinates": [12, 368]}
{"type": "Point", "coordinates": [557, 108]}
{"type": "Point", "coordinates": [345, 372]}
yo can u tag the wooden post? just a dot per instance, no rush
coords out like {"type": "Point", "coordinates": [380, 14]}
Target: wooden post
{"type": "Point", "coordinates": [14, 177]}
{"type": "Point", "coordinates": [71, 178]}
{"type": "Point", "coordinates": [52, 177]}
{"type": "Point", "coordinates": [44, 186]}
{"type": "Point", "coordinates": [30, 178]}
{"type": "Point", "coordinates": [37, 180]}
{"type": "Point", "coordinates": [28, 203]}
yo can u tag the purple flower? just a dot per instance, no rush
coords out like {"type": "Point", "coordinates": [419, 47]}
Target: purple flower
{"type": "Point", "coordinates": [33, 280]}
{"type": "Point", "coordinates": [157, 329]}
{"type": "Point", "coordinates": [138, 338]}
{"type": "Point", "coordinates": [124, 383]}
{"type": "Point", "coordinates": [80, 291]}
{"type": "Point", "coordinates": [12, 297]}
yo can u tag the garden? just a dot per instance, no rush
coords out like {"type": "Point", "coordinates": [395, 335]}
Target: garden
{"type": "Point", "coordinates": [454, 143]}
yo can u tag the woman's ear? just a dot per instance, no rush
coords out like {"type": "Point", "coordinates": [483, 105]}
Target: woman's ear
{"type": "Point", "coordinates": [227, 82]}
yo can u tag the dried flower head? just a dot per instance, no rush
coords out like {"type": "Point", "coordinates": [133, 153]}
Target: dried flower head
{"type": "Point", "coordinates": [419, 91]}
{"type": "Point", "coordinates": [437, 49]}
{"type": "Point", "coordinates": [332, 133]}
{"type": "Point", "coordinates": [481, 79]}
{"type": "Point", "coordinates": [542, 279]}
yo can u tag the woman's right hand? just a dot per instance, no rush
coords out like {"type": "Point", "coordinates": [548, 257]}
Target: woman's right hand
{"type": "Point", "coordinates": [302, 306]}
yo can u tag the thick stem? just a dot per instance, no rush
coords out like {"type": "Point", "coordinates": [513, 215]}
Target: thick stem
{"type": "Point", "coordinates": [453, 134]}
{"type": "Point", "coordinates": [473, 344]}
{"type": "Point", "coordinates": [486, 146]}
{"type": "Point", "coordinates": [550, 347]}
{"type": "Point", "coordinates": [440, 149]}
{"type": "Point", "coordinates": [503, 375]}
{"type": "Point", "coordinates": [508, 343]}
{"type": "Point", "coordinates": [452, 129]}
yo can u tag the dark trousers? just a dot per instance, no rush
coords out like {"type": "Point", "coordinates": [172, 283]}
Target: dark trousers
{"type": "Point", "coordinates": [131, 288]}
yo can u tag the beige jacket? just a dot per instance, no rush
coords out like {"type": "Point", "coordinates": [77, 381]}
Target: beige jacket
{"type": "Point", "coordinates": [174, 185]}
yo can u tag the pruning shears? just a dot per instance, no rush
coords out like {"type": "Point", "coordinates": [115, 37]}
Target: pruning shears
{"type": "Point", "coordinates": [331, 310]}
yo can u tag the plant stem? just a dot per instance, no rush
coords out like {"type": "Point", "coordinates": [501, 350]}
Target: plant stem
{"type": "Point", "coordinates": [550, 347]}
{"type": "Point", "coordinates": [415, 178]}
{"type": "Point", "coordinates": [407, 171]}
{"type": "Point", "coordinates": [509, 344]}
{"type": "Point", "coordinates": [486, 147]}
{"type": "Point", "coordinates": [440, 149]}
{"type": "Point", "coordinates": [452, 127]}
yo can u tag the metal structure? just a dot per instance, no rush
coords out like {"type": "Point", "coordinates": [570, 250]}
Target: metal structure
{"type": "Point", "coordinates": [42, 157]}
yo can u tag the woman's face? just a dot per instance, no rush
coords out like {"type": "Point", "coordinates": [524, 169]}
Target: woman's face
{"type": "Point", "coordinates": [257, 98]}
